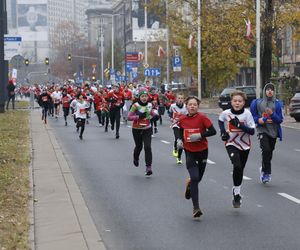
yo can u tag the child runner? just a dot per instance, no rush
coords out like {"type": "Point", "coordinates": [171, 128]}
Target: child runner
{"type": "Point", "coordinates": [195, 127]}
{"type": "Point", "coordinates": [44, 101]}
{"type": "Point", "coordinates": [239, 126]}
{"type": "Point", "coordinates": [176, 109]}
{"type": "Point", "coordinates": [141, 113]}
{"type": "Point", "coordinates": [66, 100]}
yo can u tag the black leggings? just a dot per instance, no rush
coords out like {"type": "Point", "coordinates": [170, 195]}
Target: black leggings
{"type": "Point", "coordinates": [267, 145]}
{"type": "Point", "coordinates": [177, 136]}
{"type": "Point", "coordinates": [80, 123]}
{"type": "Point", "coordinates": [66, 112]}
{"type": "Point", "coordinates": [44, 113]}
{"type": "Point", "coordinates": [98, 113]}
{"type": "Point", "coordinates": [142, 136]}
{"type": "Point", "coordinates": [115, 116]}
{"type": "Point", "coordinates": [195, 164]}
{"type": "Point", "coordinates": [238, 159]}
{"type": "Point", "coordinates": [105, 118]}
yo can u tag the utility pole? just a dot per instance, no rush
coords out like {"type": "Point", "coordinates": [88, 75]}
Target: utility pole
{"type": "Point", "coordinates": [112, 47]}
{"type": "Point", "coordinates": [199, 49]}
{"type": "Point", "coordinates": [101, 45]}
{"type": "Point", "coordinates": [146, 35]}
{"type": "Point", "coordinates": [3, 63]}
{"type": "Point", "coordinates": [258, 77]}
{"type": "Point", "coordinates": [125, 50]}
{"type": "Point", "coordinates": [168, 45]}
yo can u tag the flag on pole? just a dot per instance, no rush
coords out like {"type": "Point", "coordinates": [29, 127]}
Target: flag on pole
{"type": "Point", "coordinates": [161, 52]}
{"type": "Point", "coordinates": [191, 41]}
{"type": "Point", "coordinates": [248, 29]}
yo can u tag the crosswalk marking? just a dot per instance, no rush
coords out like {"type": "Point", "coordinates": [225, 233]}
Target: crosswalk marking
{"type": "Point", "coordinates": [289, 197]}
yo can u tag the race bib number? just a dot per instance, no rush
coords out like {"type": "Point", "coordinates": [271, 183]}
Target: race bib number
{"type": "Point", "coordinates": [232, 128]}
{"type": "Point", "coordinates": [265, 115]}
{"type": "Point", "coordinates": [188, 132]}
{"type": "Point", "coordinates": [56, 101]}
{"type": "Point", "coordinates": [144, 122]}
{"type": "Point", "coordinates": [45, 98]}
{"type": "Point", "coordinates": [82, 111]}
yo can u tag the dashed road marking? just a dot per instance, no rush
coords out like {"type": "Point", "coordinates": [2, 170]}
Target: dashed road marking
{"type": "Point", "coordinates": [165, 142]}
{"type": "Point", "coordinates": [210, 161]}
{"type": "Point", "coordinates": [258, 205]}
{"type": "Point", "coordinates": [296, 149]}
{"type": "Point", "coordinates": [247, 178]}
{"type": "Point", "coordinates": [291, 198]}
{"type": "Point", "coordinates": [128, 126]}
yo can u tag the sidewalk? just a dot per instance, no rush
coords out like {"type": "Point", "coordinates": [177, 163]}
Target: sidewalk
{"type": "Point", "coordinates": [61, 217]}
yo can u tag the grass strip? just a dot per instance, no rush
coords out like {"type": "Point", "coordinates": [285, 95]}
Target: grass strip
{"type": "Point", "coordinates": [14, 179]}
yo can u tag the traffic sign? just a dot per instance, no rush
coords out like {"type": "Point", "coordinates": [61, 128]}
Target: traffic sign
{"type": "Point", "coordinates": [152, 72]}
{"type": "Point", "coordinates": [177, 64]}
{"type": "Point", "coordinates": [12, 45]}
{"type": "Point", "coordinates": [146, 65]}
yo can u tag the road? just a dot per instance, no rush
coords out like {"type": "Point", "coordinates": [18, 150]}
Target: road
{"type": "Point", "coordinates": [134, 212]}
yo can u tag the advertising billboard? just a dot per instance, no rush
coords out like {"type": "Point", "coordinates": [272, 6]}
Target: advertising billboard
{"type": "Point", "coordinates": [155, 27]}
{"type": "Point", "coordinates": [32, 20]}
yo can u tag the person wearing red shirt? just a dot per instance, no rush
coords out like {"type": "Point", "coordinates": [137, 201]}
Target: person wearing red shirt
{"type": "Point", "coordinates": [195, 127]}
{"type": "Point", "coordinates": [154, 100]}
{"type": "Point", "coordinates": [170, 99]}
{"type": "Point", "coordinates": [66, 100]}
{"type": "Point", "coordinates": [116, 100]}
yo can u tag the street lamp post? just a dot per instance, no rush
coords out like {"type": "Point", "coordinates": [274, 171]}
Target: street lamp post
{"type": "Point", "coordinates": [258, 80]}
{"type": "Point", "coordinates": [199, 48]}
{"type": "Point", "coordinates": [112, 46]}
{"type": "Point", "coordinates": [167, 49]}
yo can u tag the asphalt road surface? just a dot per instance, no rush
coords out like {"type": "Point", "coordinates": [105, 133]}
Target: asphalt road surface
{"type": "Point", "coordinates": [134, 212]}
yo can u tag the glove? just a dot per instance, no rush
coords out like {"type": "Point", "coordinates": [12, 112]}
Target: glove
{"type": "Point", "coordinates": [141, 115]}
{"type": "Point", "coordinates": [225, 136]}
{"type": "Point", "coordinates": [195, 137]}
{"type": "Point", "coordinates": [235, 122]}
{"type": "Point", "coordinates": [179, 144]}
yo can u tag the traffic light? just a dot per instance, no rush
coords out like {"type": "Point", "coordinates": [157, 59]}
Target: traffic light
{"type": "Point", "coordinates": [47, 61]}
{"type": "Point", "coordinates": [26, 62]}
{"type": "Point", "coordinates": [69, 57]}
{"type": "Point", "coordinates": [93, 78]}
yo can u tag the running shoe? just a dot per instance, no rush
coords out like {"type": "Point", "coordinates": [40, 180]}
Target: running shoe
{"type": "Point", "coordinates": [197, 213]}
{"type": "Point", "coordinates": [236, 200]}
{"type": "Point", "coordinates": [112, 127]}
{"type": "Point", "coordinates": [80, 137]}
{"type": "Point", "coordinates": [136, 162]}
{"type": "Point", "coordinates": [155, 130]}
{"type": "Point", "coordinates": [187, 193]}
{"type": "Point", "coordinates": [106, 130]}
{"type": "Point", "coordinates": [148, 172]}
{"type": "Point", "coordinates": [66, 124]}
{"type": "Point", "coordinates": [175, 153]}
{"type": "Point", "coordinates": [178, 161]}
{"type": "Point", "coordinates": [266, 178]}
{"type": "Point", "coordinates": [261, 177]}
{"type": "Point", "coordinates": [117, 136]}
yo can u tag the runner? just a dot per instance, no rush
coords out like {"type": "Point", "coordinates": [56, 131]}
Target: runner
{"type": "Point", "coordinates": [141, 113]}
{"type": "Point", "coordinates": [240, 125]}
{"type": "Point", "coordinates": [66, 100]}
{"type": "Point", "coordinates": [267, 114]}
{"type": "Point", "coordinates": [153, 98]}
{"type": "Point", "coordinates": [128, 101]}
{"type": "Point", "coordinates": [116, 100]}
{"type": "Point", "coordinates": [195, 127]}
{"type": "Point", "coordinates": [81, 113]}
{"type": "Point", "coordinates": [44, 101]}
{"type": "Point", "coordinates": [57, 97]}
{"type": "Point", "coordinates": [178, 108]}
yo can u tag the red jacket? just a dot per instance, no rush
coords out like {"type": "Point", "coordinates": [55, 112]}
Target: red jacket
{"type": "Point", "coordinates": [116, 99]}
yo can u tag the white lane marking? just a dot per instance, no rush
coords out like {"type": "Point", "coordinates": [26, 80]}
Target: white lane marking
{"type": "Point", "coordinates": [128, 126]}
{"type": "Point", "coordinates": [258, 205]}
{"type": "Point", "coordinates": [296, 149]}
{"type": "Point", "coordinates": [210, 162]}
{"type": "Point", "coordinates": [166, 142]}
{"type": "Point", "coordinates": [289, 197]}
{"type": "Point", "coordinates": [247, 178]}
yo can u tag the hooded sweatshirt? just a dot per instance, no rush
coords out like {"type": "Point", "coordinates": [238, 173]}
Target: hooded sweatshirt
{"type": "Point", "coordinates": [272, 123]}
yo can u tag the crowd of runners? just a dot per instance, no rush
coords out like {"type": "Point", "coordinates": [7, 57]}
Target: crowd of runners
{"type": "Point", "coordinates": [144, 106]}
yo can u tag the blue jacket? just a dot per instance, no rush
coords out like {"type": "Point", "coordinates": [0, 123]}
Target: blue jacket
{"type": "Point", "coordinates": [276, 116]}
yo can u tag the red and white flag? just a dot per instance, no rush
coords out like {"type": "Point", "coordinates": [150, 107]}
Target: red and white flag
{"type": "Point", "coordinates": [161, 52]}
{"type": "Point", "coordinates": [248, 29]}
{"type": "Point", "coordinates": [191, 41]}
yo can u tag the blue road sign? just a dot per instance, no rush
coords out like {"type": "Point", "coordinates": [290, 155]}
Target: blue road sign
{"type": "Point", "coordinates": [152, 72]}
{"type": "Point", "coordinates": [177, 63]}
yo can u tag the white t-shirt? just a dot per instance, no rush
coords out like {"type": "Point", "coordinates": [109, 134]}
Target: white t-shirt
{"type": "Point", "coordinates": [81, 109]}
{"type": "Point", "coordinates": [176, 111]}
{"type": "Point", "coordinates": [238, 138]}
{"type": "Point", "coordinates": [57, 96]}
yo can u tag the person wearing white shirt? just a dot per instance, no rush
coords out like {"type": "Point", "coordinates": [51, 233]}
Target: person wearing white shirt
{"type": "Point", "coordinates": [239, 128]}
{"type": "Point", "coordinates": [81, 114]}
{"type": "Point", "coordinates": [57, 98]}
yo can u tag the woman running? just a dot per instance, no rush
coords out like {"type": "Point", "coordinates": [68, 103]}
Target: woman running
{"type": "Point", "coordinates": [141, 113]}
{"type": "Point", "coordinates": [81, 113]}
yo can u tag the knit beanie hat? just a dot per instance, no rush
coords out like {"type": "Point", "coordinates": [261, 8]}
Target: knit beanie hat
{"type": "Point", "coordinates": [142, 91]}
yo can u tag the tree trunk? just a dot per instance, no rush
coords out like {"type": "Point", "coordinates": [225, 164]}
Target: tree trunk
{"type": "Point", "coordinates": [267, 34]}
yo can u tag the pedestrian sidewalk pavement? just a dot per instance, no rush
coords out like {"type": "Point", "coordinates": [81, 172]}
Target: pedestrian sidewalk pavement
{"type": "Point", "coordinates": [61, 219]}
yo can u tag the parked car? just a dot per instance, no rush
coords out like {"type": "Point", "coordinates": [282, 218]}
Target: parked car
{"type": "Point", "coordinates": [177, 87]}
{"type": "Point", "coordinates": [224, 98]}
{"type": "Point", "coordinates": [295, 106]}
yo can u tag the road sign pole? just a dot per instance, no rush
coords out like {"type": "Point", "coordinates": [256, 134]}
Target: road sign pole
{"type": "Point", "coordinates": [3, 63]}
